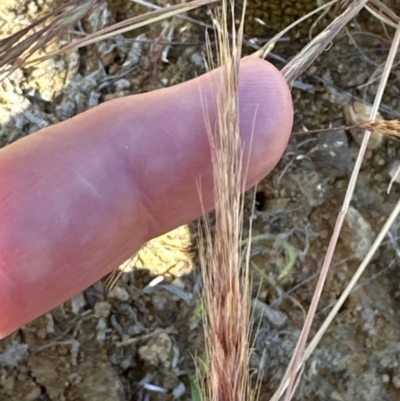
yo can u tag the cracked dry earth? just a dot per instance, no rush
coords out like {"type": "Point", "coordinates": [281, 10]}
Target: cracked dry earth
{"type": "Point", "coordinates": [137, 341]}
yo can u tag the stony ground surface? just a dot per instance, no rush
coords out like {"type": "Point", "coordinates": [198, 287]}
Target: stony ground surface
{"type": "Point", "coordinates": [137, 341]}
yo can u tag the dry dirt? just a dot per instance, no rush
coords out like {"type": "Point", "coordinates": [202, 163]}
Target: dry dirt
{"type": "Point", "coordinates": [137, 341]}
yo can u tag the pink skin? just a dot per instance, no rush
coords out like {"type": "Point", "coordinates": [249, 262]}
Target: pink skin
{"type": "Point", "coordinates": [80, 197]}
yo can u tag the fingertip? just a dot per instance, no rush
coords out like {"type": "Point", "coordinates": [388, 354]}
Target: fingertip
{"type": "Point", "coordinates": [153, 150]}
{"type": "Point", "coordinates": [266, 115]}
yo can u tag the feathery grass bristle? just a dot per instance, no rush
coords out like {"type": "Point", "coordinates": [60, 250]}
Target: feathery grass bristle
{"type": "Point", "coordinates": [383, 127]}
{"type": "Point", "coordinates": [225, 269]}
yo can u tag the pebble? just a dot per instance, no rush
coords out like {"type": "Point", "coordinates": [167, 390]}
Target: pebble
{"type": "Point", "coordinates": [34, 394]}
{"type": "Point", "coordinates": [179, 390]}
{"type": "Point", "coordinates": [157, 351]}
{"type": "Point", "coordinates": [335, 396]}
{"type": "Point", "coordinates": [357, 113]}
{"type": "Point", "coordinates": [394, 171]}
{"type": "Point", "coordinates": [396, 381]}
{"type": "Point", "coordinates": [357, 233]}
{"type": "Point", "coordinates": [332, 156]}
{"type": "Point", "coordinates": [118, 293]}
{"type": "Point", "coordinates": [50, 323]}
{"type": "Point", "coordinates": [77, 303]}
{"type": "Point", "coordinates": [102, 309]}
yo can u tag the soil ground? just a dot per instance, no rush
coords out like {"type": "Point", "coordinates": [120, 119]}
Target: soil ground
{"type": "Point", "coordinates": [137, 341]}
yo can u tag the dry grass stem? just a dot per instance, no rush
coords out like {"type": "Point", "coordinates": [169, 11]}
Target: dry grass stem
{"type": "Point", "coordinates": [226, 291]}
{"type": "Point", "coordinates": [267, 48]}
{"type": "Point", "coordinates": [183, 17]}
{"type": "Point", "coordinates": [383, 13]}
{"type": "Point", "coordinates": [360, 270]}
{"type": "Point", "coordinates": [383, 127]}
{"type": "Point", "coordinates": [17, 48]}
{"type": "Point", "coordinates": [134, 23]}
{"type": "Point", "coordinates": [15, 54]}
{"type": "Point", "coordinates": [316, 46]}
{"type": "Point", "coordinates": [295, 363]}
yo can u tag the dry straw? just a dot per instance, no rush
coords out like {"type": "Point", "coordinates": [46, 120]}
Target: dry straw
{"type": "Point", "coordinates": [291, 71]}
{"type": "Point", "coordinates": [226, 287]}
{"type": "Point", "coordinates": [380, 127]}
{"type": "Point", "coordinates": [17, 50]}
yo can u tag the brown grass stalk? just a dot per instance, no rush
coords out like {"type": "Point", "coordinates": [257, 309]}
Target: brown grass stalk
{"type": "Point", "coordinates": [131, 24]}
{"type": "Point", "coordinates": [226, 289]}
{"type": "Point", "coordinates": [383, 13]}
{"type": "Point", "coordinates": [264, 51]}
{"type": "Point", "coordinates": [16, 51]}
{"type": "Point", "coordinates": [299, 356]}
{"type": "Point", "coordinates": [382, 127]}
{"type": "Point", "coordinates": [316, 46]}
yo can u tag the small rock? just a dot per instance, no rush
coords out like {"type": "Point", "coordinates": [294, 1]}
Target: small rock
{"type": "Point", "coordinates": [312, 186]}
{"type": "Point", "coordinates": [335, 396]}
{"type": "Point", "coordinates": [102, 330]}
{"type": "Point", "coordinates": [165, 307]}
{"type": "Point", "coordinates": [158, 351]}
{"type": "Point", "coordinates": [75, 378]}
{"type": "Point", "coordinates": [34, 394]}
{"type": "Point", "coordinates": [122, 84]}
{"type": "Point", "coordinates": [332, 156]}
{"type": "Point", "coordinates": [77, 303]}
{"type": "Point", "coordinates": [42, 333]}
{"type": "Point", "coordinates": [99, 287]}
{"type": "Point", "coordinates": [102, 309]}
{"type": "Point", "coordinates": [274, 316]}
{"type": "Point", "coordinates": [357, 113]}
{"type": "Point", "coordinates": [94, 99]}
{"type": "Point", "coordinates": [101, 383]}
{"type": "Point", "coordinates": [357, 233]}
{"type": "Point", "coordinates": [394, 171]}
{"type": "Point", "coordinates": [118, 293]}
{"type": "Point", "coordinates": [396, 381]}
{"type": "Point", "coordinates": [135, 329]}
{"type": "Point", "coordinates": [50, 323]}
{"type": "Point", "coordinates": [65, 110]}
{"type": "Point", "coordinates": [135, 52]}
{"type": "Point", "coordinates": [179, 390]}
{"type": "Point", "coordinates": [177, 282]}
{"type": "Point", "coordinates": [197, 59]}
{"type": "Point", "coordinates": [13, 354]}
